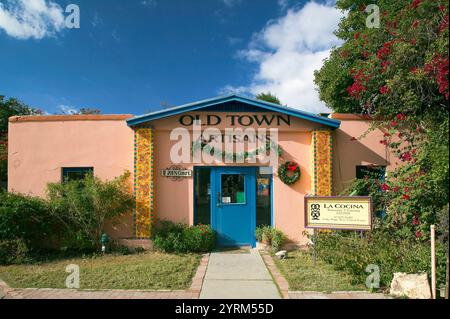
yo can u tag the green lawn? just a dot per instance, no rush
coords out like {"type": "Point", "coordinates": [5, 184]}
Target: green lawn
{"type": "Point", "coordinates": [298, 269]}
{"type": "Point", "coordinates": [139, 271]}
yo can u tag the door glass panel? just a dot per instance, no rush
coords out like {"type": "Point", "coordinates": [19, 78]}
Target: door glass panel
{"type": "Point", "coordinates": [233, 189]}
{"type": "Point", "coordinates": [202, 196]}
{"type": "Point", "coordinates": [263, 200]}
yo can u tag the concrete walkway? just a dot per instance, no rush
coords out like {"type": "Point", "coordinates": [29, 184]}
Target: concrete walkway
{"type": "Point", "coordinates": [241, 275]}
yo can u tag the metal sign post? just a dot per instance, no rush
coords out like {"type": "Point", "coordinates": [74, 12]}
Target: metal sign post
{"type": "Point", "coordinates": [314, 247]}
{"type": "Point", "coordinates": [433, 262]}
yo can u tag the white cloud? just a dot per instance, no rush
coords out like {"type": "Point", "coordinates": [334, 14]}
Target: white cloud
{"type": "Point", "coordinates": [149, 3]}
{"type": "Point", "coordinates": [115, 36]}
{"type": "Point", "coordinates": [231, 3]}
{"type": "Point", "coordinates": [283, 4]}
{"type": "Point", "coordinates": [96, 20]}
{"type": "Point", "coordinates": [24, 19]}
{"type": "Point", "coordinates": [70, 110]}
{"type": "Point", "coordinates": [287, 52]}
{"type": "Point", "coordinates": [234, 40]}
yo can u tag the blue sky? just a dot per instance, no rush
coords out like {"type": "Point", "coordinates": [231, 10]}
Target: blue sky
{"type": "Point", "coordinates": [136, 56]}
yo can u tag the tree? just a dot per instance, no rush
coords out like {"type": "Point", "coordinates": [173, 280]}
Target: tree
{"type": "Point", "coordinates": [398, 74]}
{"type": "Point", "coordinates": [268, 97]}
{"type": "Point", "coordinates": [88, 110]}
{"type": "Point", "coordinates": [84, 206]}
{"type": "Point", "coordinates": [10, 107]}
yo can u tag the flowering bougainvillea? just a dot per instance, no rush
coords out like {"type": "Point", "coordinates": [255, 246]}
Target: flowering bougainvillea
{"type": "Point", "coordinates": [398, 74]}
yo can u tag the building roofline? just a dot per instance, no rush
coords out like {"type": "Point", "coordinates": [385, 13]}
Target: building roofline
{"type": "Point", "coordinates": [59, 118]}
{"type": "Point", "coordinates": [196, 106]}
{"type": "Point", "coordinates": [351, 117]}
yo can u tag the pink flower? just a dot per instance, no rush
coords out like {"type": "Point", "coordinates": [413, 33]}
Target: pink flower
{"type": "Point", "coordinates": [416, 3]}
{"type": "Point", "coordinates": [356, 36]}
{"type": "Point", "coordinates": [385, 187]}
{"type": "Point", "coordinates": [406, 156]}
{"type": "Point", "coordinates": [418, 234]}
{"type": "Point", "coordinates": [415, 221]}
{"type": "Point", "coordinates": [401, 117]}
{"type": "Point", "coordinates": [393, 124]}
{"type": "Point", "coordinates": [415, 24]}
{"type": "Point", "coordinates": [406, 197]}
{"type": "Point", "coordinates": [384, 90]}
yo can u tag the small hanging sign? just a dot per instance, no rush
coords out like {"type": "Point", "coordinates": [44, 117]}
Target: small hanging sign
{"type": "Point", "coordinates": [176, 172]}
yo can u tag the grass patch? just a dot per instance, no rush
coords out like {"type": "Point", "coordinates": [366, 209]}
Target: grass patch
{"type": "Point", "coordinates": [299, 271]}
{"type": "Point", "coordinates": [140, 271]}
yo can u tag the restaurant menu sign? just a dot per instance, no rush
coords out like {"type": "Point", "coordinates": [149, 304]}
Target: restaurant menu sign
{"type": "Point", "coordinates": [338, 212]}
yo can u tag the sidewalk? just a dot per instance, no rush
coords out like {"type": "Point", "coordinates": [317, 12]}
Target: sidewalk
{"type": "Point", "coordinates": [238, 276]}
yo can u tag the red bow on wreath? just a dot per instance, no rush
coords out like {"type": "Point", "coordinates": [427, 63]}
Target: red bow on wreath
{"type": "Point", "coordinates": [292, 166]}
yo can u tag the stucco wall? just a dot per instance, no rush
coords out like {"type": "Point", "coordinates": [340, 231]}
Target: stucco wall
{"type": "Point", "coordinates": [39, 148]}
{"type": "Point", "coordinates": [174, 200]}
{"type": "Point", "coordinates": [349, 152]}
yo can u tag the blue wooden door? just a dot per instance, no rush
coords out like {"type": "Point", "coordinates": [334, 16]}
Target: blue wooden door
{"type": "Point", "coordinates": [234, 205]}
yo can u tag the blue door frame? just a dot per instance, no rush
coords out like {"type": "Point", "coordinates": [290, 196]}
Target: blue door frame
{"type": "Point", "coordinates": [234, 223]}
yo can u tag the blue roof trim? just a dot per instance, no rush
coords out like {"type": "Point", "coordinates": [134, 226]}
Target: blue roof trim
{"type": "Point", "coordinates": [219, 100]}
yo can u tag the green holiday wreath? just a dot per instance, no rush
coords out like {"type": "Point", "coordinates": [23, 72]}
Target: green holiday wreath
{"type": "Point", "coordinates": [289, 172]}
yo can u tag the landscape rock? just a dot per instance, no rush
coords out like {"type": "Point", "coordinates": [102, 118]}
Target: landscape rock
{"type": "Point", "coordinates": [413, 286]}
{"type": "Point", "coordinates": [281, 254]}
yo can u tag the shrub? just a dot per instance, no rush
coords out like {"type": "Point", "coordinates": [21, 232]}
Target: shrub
{"type": "Point", "coordinates": [270, 236]}
{"type": "Point", "coordinates": [180, 238]}
{"type": "Point", "coordinates": [27, 218]}
{"type": "Point", "coordinates": [83, 207]}
{"type": "Point", "coordinates": [13, 252]}
{"type": "Point", "coordinates": [353, 254]}
{"type": "Point", "coordinates": [199, 238]}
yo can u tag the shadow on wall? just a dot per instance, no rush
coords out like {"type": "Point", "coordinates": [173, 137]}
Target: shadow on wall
{"type": "Point", "coordinates": [348, 154]}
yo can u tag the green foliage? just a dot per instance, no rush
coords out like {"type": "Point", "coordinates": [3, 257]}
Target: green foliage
{"type": "Point", "coordinates": [268, 97]}
{"type": "Point", "coordinates": [270, 236]}
{"type": "Point", "coordinates": [27, 218]}
{"type": "Point", "coordinates": [13, 252]}
{"type": "Point", "coordinates": [13, 107]}
{"type": "Point", "coordinates": [83, 206]}
{"type": "Point", "coordinates": [352, 254]}
{"type": "Point", "coordinates": [88, 111]}
{"type": "Point", "coordinates": [180, 238]}
{"type": "Point", "coordinates": [395, 55]}
{"type": "Point", "coordinates": [8, 108]}
{"type": "Point", "coordinates": [3, 169]}
{"type": "Point", "coordinates": [398, 73]}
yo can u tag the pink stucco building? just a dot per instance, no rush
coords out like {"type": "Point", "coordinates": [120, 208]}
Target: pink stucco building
{"type": "Point", "coordinates": [233, 197]}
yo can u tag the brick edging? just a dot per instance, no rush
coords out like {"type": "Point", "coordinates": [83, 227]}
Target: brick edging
{"type": "Point", "coordinates": [4, 289]}
{"type": "Point", "coordinates": [197, 280]}
{"type": "Point", "coordinates": [280, 281]}
{"type": "Point", "coordinates": [193, 292]}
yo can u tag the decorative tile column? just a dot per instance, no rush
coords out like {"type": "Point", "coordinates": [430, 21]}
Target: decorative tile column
{"type": "Point", "coordinates": [322, 146]}
{"type": "Point", "coordinates": [144, 181]}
